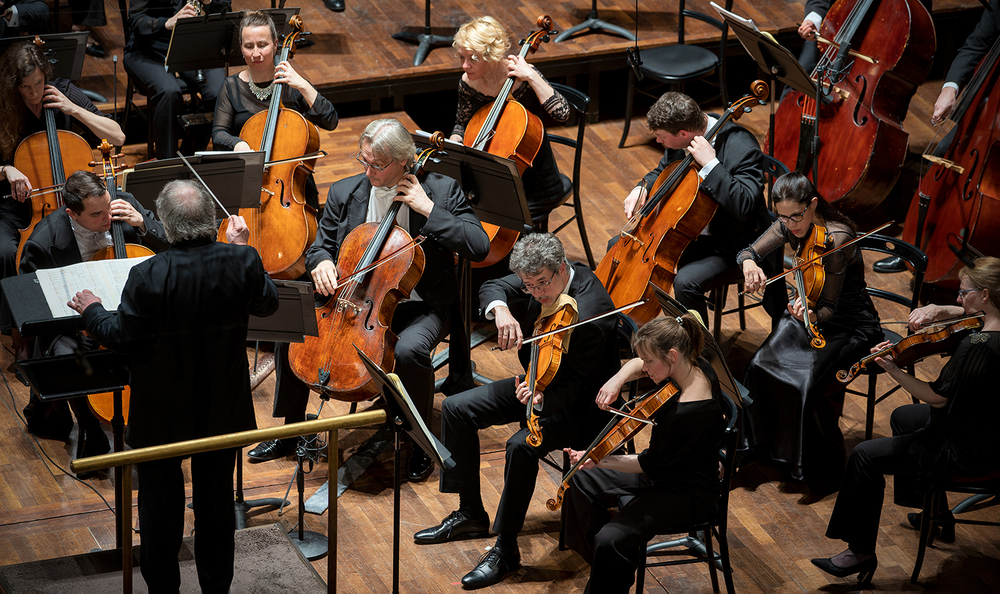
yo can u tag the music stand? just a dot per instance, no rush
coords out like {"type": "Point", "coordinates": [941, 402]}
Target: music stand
{"type": "Point", "coordinates": [425, 41]}
{"type": "Point", "coordinates": [493, 186]}
{"type": "Point", "coordinates": [219, 32]}
{"type": "Point", "coordinates": [65, 51]}
{"type": "Point", "coordinates": [781, 65]}
{"type": "Point", "coordinates": [229, 175]}
{"type": "Point", "coordinates": [403, 417]}
{"type": "Point", "coordinates": [595, 24]}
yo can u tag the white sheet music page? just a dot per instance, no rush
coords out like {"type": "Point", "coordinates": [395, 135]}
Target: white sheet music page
{"type": "Point", "coordinates": [105, 278]}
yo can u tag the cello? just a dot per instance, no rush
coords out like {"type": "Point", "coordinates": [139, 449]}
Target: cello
{"type": "Point", "coordinates": [653, 240]}
{"type": "Point", "coordinates": [284, 226]}
{"type": "Point", "coordinates": [508, 130]}
{"type": "Point", "coordinates": [960, 190]}
{"type": "Point", "coordinates": [103, 404]}
{"type": "Point", "coordinates": [359, 313]}
{"type": "Point", "coordinates": [864, 144]}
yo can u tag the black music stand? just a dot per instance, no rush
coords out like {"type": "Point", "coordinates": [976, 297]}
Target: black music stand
{"type": "Point", "coordinates": [65, 51]}
{"type": "Point", "coordinates": [403, 417]}
{"type": "Point", "coordinates": [493, 185]}
{"type": "Point", "coordinates": [229, 175]}
{"type": "Point", "coordinates": [595, 24]}
{"type": "Point", "coordinates": [781, 65]}
{"type": "Point", "coordinates": [425, 41]}
{"type": "Point", "coordinates": [219, 33]}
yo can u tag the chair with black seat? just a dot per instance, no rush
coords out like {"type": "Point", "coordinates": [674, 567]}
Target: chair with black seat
{"type": "Point", "coordinates": [193, 114]}
{"type": "Point", "coordinates": [700, 531]}
{"type": "Point", "coordinates": [980, 488]}
{"type": "Point", "coordinates": [774, 169]}
{"type": "Point", "coordinates": [917, 259]}
{"type": "Point", "coordinates": [678, 64]}
{"type": "Point", "coordinates": [580, 103]}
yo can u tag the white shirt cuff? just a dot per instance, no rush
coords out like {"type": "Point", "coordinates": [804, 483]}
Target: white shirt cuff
{"type": "Point", "coordinates": [950, 85]}
{"type": "Point", "coordinates": [493, 305]}
{"type": "Point", "coordinates": [708, 168]}
{"type": "Point", "coordinates": [815, 18]}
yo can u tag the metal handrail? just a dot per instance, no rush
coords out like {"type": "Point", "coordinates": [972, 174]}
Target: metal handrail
{"type": "Point", "coordinates": [219, 442]}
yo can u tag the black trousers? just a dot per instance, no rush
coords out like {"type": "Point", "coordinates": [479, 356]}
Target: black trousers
{"type": "Point", "coordinates": [613, 545]}
{"type": "Point", "coordinates": [463, 415]}
{"type": "Point", "coordinates": [701, 268]}
{"type": "Point", "coordinates": [161, 521]}
{"type": "Point", "coordinates": [418, 327]}
{"type": "Point", "coordinates": [14, 216]}
{"type": "Point", "coordinates": [856, 514]}
{"type": "Point", "coordinates": [164, 93]}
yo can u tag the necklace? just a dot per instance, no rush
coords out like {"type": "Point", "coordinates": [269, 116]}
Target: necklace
{"type": "Point", "coordinates": [261, 93]}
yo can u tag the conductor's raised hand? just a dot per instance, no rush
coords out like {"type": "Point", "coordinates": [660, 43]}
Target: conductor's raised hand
{"type": "Point", "coordinates": [237, 233]}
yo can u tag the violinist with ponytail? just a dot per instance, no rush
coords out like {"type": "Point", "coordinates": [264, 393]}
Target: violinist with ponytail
{"type": "Point", "coordinates": [951, 433]}
{"type": "Point", "coordinates": [797, 400]}
{"type": "Point", "coordinates": [674, 479]}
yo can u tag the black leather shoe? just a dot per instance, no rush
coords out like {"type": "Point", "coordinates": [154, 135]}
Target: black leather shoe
{"type": "Point", "coordinates": [457, 526]}
{"type": "Point", "coordinates": [493, 567]}
{"type": "Point", "coordinates": [92, 442]}
{"type": "Point", "coordinates": [946, 531]}
{"type": "Point", "coordinates": [864, 569]}
{"type": "Point", "coordinates": [335, 5]}
{"type": "Point", "coordinates": [419, 465]}
{"type": "Point", "coordinates": [95, 49]}
{"type": "Point", "coordinates": [272, 450]}
{"type": "Point", "coordinates": [890, 264]}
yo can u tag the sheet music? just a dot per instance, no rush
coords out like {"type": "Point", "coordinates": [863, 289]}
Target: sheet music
{"type": "Point", "coordinates": [413, 409]}
{"type": "Point", "coordinates": [725, 13]}
{"type": "Point", "coordinates": [105, 278]}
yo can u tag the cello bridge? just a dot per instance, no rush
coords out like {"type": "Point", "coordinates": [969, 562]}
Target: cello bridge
{"type": "Point", "coordinates": [343, 304]}
{"type": "Point", "coordinates": [632, 237]}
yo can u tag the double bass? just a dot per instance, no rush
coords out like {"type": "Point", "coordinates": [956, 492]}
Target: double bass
{"type": "Point", "coordinates": [284, 226]}
{"type": "Point", "coordinates": [360, 312]}
{"type": "Point", "coordinates": [508, 130]}
{"type": "Point", "coordinates": [863, 143]}
{"type": "Point", "coordinates": [961, 189]}
{"type": "Point", "coordinates": [103, 404]}
{"type": "Point", "coordinates": [653, 240]}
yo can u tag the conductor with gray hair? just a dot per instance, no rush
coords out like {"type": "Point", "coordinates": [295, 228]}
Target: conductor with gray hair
{"type": "Point", "coordinates": [182, 326]}
{"type": "Point", "coordinates": [433, 206]}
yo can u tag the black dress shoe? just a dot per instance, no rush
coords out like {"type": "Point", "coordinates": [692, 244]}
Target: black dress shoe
{"type": "Point", "coordinates": [492, 567]}
{"type": "Point", "coordinates": [335, 5]}
{"type": "Point", "coordinates": [419, 465]}
{"type": "Point", "coordinates": [890, 264]}
{"type": "Point", "coordinates": [457, 526]}
{"type": "Point", "coordinates": [272, 450]}
{"type": "Point", "coordinates": [92, 442]}
{"type": "Point", "coordinates": [95, 49]}
{"type": "Point", "coordinates": [864, 569]}
{"type": "Point", "coordinates": [946, 531]}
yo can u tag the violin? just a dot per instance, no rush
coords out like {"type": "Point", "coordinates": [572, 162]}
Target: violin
{"type": "Point", "coordinates": [546, 355]}
{"type": "Point", "coordinates": [809, 278]}
{"type": "Point", "coordinates": [103, 404]}
{"type": "Point", "coordinates": [359, 313]}
{"type": "Point", "coordinates": [919, 346]}
{"type": "Point", "coordinates": [863, 141]}
{"type": "Point", "coordinates": [653, 240]}
{"type": "Point", "coordinates": [283, 226]}
{"type": "Point", "coordinates": [45, 157]}
{"type": "Point", "coordinates": [506, 129]}
{"type": "Point", "coordinates": [617, 433]}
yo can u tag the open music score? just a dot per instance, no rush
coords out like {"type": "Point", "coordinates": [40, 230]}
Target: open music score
{"type": "Point", "coordinates": [105, 278]}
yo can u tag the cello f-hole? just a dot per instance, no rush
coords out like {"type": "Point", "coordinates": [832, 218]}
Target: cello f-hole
{"type": "Point", "coordinates": [967, 194]}
{"type": "Point", "coordinates": [368, 317]}
{"type": "Point", "coordinates": [281, 194]}
{"type": "Point", "coordinates": [860, 101]}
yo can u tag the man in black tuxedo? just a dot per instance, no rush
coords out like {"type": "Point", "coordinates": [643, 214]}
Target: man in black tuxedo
{"type": "Point", "coordinates": [27, 16]}
{"type": "Point", "coordinates": [151, 23]}
{"type": "Point", "coordinates": [569, 416]}
{"type": "Point", "coordinates": [70, 236]}
{"type": "Point", "coordinates": [731, 171]}
{"type": "Point", "coordinates": [182, 325]}
{"type": "Point", "coordinates": [433, 206]}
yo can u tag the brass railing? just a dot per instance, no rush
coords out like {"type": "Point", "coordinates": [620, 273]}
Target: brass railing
{"type": "Point", "coordinates": [219, 442]}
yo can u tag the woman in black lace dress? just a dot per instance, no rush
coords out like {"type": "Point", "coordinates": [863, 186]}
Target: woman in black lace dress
{"type": "Point", "coordinates": [797, 401]}
{"type": "Point", "coordinates": [482, 45]}
{"type": "Point", "coordinates": [246, 93]}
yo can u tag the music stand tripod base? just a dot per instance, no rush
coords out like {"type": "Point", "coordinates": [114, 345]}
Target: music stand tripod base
{"type": "Point", "coordinates": [595, 24]}
{"type": "Point", "coordinates": [425, 43]}
{"type": "Point", "coordinates": [312, 545]}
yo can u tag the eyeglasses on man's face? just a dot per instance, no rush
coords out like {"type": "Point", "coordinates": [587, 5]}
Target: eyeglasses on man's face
{"type": "Point", "coordinates": [366, 164]}
{"type": "Point", "coordinates": [540, 286]}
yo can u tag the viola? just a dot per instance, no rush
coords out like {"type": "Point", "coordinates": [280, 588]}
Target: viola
{"type": "Point", "coordinates": [863, 141]}
{"type": "Point", "coordinates": [617, 433]}
{"type": "Point", "coordinates": [103, 404]}
{"type": "Point", "coordinates": [360, 311]}
{"type": "Point", "coordinates": [959, 190]}
{"type": "Point", "coordinates": [653, 240]}
{"type": "Point", "coordinates": [809, 278]}
{"type": "Point", "coordinates": [505, 128]}
{"type": "Point", "coordinates": [919, 346]}
{"type": "Point", "coordinates": [284, 226]}
{"type": "Point", "coordinates": [45, 157]}
{"type": "Point", "coordinates": [546, 356]}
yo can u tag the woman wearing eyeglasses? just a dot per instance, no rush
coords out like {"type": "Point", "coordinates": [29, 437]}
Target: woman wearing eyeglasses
{"type": "Point", "coordinates": [950, 434]}
{"type": "Point", "coordinates": [797, 400]}
{"type": "Point", "coordinates": [248, 92]}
